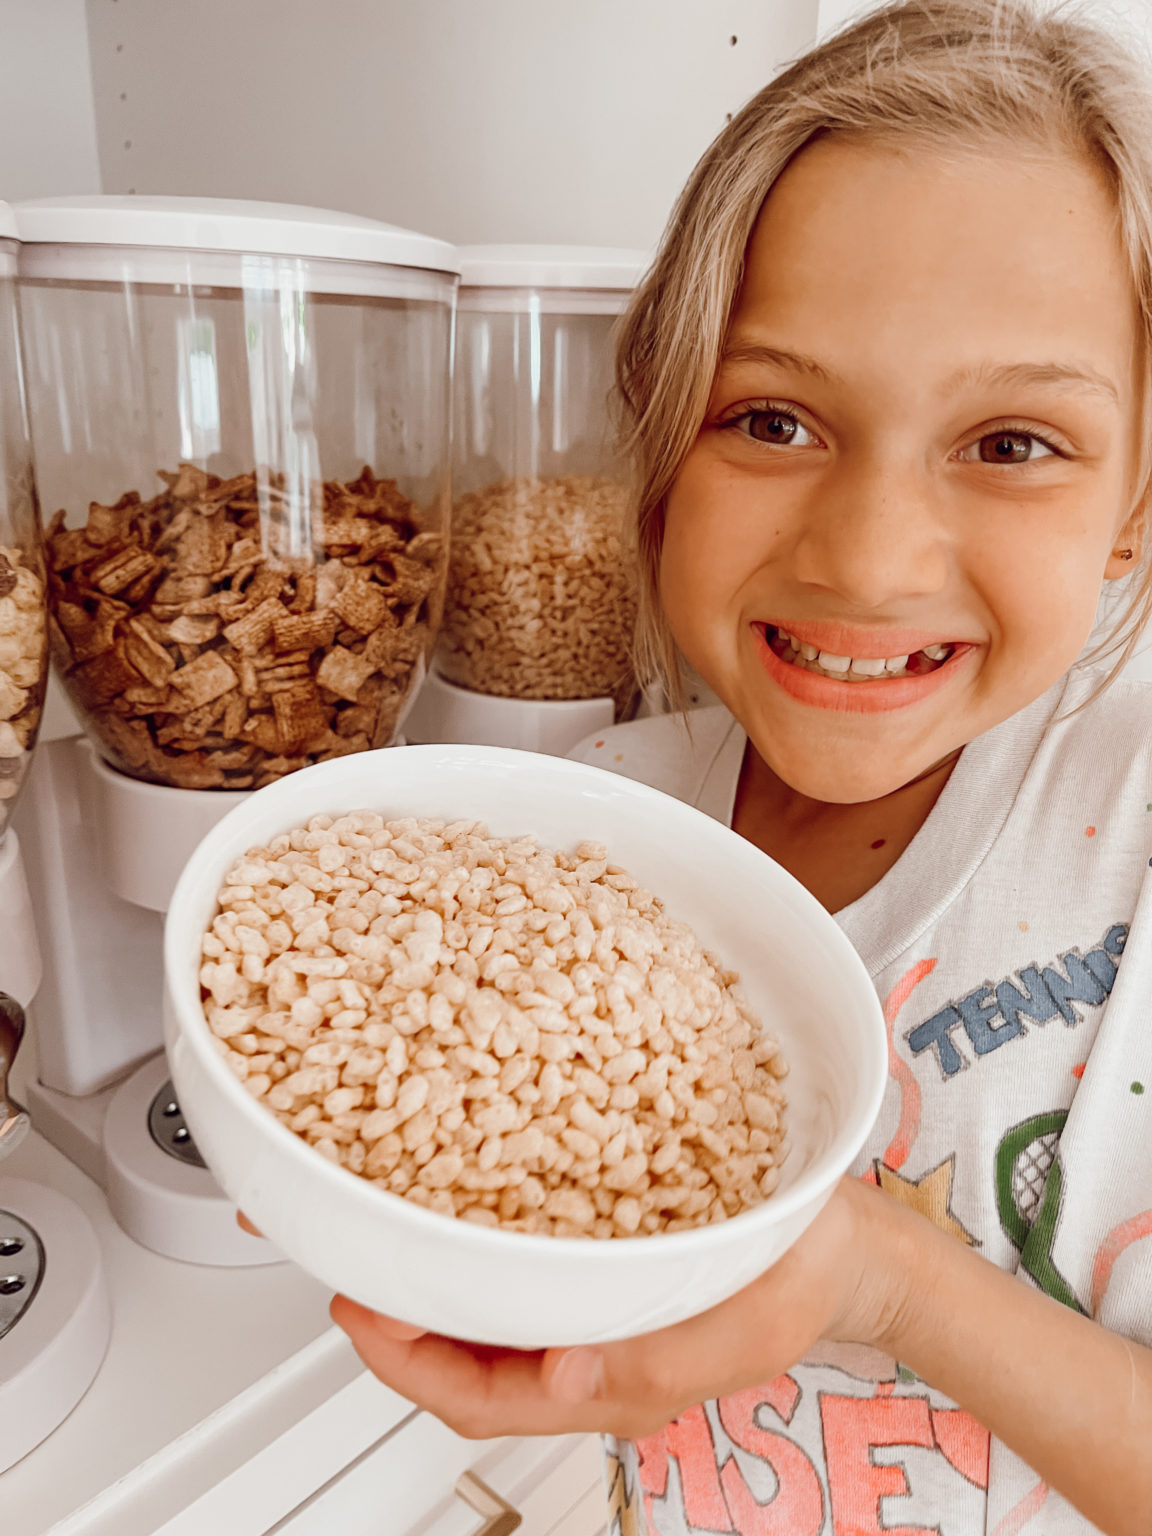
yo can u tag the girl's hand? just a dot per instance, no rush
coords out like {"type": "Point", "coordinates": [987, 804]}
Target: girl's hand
{"type": "Point", "coordinates": [834, 1282]}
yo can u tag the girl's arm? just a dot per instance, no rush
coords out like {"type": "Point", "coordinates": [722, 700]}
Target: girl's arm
{"type": "Point", "coordinates": [1071, 1399]}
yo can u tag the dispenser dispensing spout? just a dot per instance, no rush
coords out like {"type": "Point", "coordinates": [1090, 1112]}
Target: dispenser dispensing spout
{"type": "Point", "coordinates": [14, 1122]}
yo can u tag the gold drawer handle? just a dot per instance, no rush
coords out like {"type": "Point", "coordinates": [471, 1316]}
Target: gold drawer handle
{"type": "Point", "coordinates": [500, 1518]}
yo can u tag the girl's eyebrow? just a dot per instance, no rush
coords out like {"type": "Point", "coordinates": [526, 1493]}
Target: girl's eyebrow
{"type": "Point", "coordinates": [736, 352]}
{"type": "Point", "coordinates": [1078, 376]}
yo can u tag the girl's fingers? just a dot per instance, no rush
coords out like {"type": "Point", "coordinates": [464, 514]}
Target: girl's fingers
{"type": "Point", "coordinates": [350, 1314]}
{"type": "Point", "coordinates": [632, 1387]}
{"type": "Point", "coordinates": [475, 1389]}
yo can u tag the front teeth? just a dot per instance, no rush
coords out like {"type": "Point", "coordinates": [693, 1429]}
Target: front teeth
{"type": "Point", "coordinates": [832, 663]}
{"type": "Point", "coordinates": [804, 654]}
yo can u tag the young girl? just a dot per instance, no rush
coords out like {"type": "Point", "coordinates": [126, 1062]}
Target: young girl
{"type": "Point", "coordinates": [888, 387]}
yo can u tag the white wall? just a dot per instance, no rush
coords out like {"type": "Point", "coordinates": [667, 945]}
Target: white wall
{"type": "Point", "coordinates": [553, 120]}
{"type": "Point", "coordinates": [47, 121]}
{"type": "Point", "coordinates": [1133, 16]}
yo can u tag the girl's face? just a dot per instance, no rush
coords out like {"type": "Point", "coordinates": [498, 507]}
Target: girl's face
{"type": "Point", "coordinates": [919, 456]}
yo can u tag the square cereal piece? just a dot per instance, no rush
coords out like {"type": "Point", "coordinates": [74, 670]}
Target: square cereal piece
{"type": "Point", "coordinates": [171, 533]}
{"type": "Point", "coordinates": [354, 720]}
{"type": "Point", "coordinates": [122, 569]}
{"type": "Point", "coordinates": [68, 548]}
{"type": "Point", "coordinates": [426, 547]}
{"type": "Point", "coordinates": [412, 579]}
{"type": "Point", "coordinates": [111, 525]}
{"type": "Point", "coordinates": [149, 658]}
{"type": "Point", "coordinates": [128, 739]}
{"type": "Point", "coordinates": [178, 590]}
{"type": "Point", "coordinates": [107, 675]}
{"type": "Point", "coordinates": [203, 548]}
{"type": "Point", "coordinates": [300, 717]}
{"type": "Point", "coordinates": [235, 714]}
{"type": "Point", "coordinates": [345, 746]}
{"type": "Point", "coordinates": [254, 630]}
{"type": "Point", "coordinates": [194, 629]}
{"type": "Point", "coordinates": [261, 729]}
{"type": "Point", "coordinates": [243, 486]}
{"type": "Point", "coordinates": [267, 582]}
{"type": "Point", "coordinates": [204, 679]}
{"type": "Point", "coordinates": [344, 673]}
{"type": "Point", "coordinates": [304, 631]}
{"type": "Point", "coordinates": [147, 701]}
{"type": "Point", "coordinates": [383, 540]}
{"type": "Point", "coordinates": [195, 771]}
{"type": "Point", "coordinates": [362, 605]}
{"type": "Point", "coordinates": [291, 678]}
{"type": "Point", "coordinates": [188, 484]}
{"type": "Point", "coordinates": [87, 635]}
{"type": "Point", "coordinates": [391, 647]}
{"type": "Point", "coordinates": [305, 598]}
{"type": "Point", "coordinates": [244, 553]}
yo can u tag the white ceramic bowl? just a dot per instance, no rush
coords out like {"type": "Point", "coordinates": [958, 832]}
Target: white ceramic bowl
{"type": "Point", "coordinates": [498, 1287]}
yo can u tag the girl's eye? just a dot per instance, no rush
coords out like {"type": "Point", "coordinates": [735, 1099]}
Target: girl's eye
{"type": "Point", "coordinates": [1010, 448]}
{"type": "Point", "coordinates": [778, 428]}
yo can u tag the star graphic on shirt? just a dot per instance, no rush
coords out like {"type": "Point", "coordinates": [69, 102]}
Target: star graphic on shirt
{"type": "Point", "coordinates": [623, 1503]}
{"type": "Point", "coordinates": [931, 1195]}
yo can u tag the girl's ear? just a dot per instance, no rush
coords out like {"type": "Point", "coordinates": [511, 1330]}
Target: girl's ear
{"type": "Point", "coordinates": [1129, 544]}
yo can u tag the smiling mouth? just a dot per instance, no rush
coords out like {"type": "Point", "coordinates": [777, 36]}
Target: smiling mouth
{"type": "Point", "coordinates": [854, 669]}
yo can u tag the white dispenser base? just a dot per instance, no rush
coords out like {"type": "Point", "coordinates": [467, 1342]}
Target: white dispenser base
{"type": "Point", "coordinates": [169, 1206]}
{"type": "Point", "coordinates": [444, 712]}
{"type": "Point", "coordinates": [102, 853]}
{"type": "Point", "coordinates": [50, 1355]}
{"type": "Point", "coordinates": [20, 968]}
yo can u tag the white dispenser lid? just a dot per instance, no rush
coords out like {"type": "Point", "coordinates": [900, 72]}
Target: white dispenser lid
{"type": "Point", "coordinates": [8, 229]}
{"type": "Point", "coordinates": [551, 266]}
{"type": "Point", "coordinates": [228, 225]}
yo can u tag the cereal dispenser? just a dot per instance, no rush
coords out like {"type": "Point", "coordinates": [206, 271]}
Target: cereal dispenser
{"type": "Point", "coordinates": [534, 647]}
{"type": "Point", "coordinates": [240, 420]}
{"type": "Point", "coordinates": [54, 1310]}
{"type": "Point", "coordinates": [23, 633]}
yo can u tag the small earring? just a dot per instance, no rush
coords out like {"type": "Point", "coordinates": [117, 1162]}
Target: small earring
{"type": "Point", "coordinates": [1122, 554]}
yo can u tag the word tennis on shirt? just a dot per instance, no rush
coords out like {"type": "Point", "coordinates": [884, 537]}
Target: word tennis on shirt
{"type": "Point", "coordinates": [996, 1011]}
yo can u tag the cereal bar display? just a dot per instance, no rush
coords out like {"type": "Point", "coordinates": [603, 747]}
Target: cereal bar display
{"type": "Point", "coordinates": [498, 1031]}
{"type": "Point", "coordinates": [202, 661]}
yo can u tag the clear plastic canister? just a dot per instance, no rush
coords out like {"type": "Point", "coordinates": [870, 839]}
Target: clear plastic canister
{"type": "Point", "coordinates": [23, 602]}
{"type": "Point", "coordinates": [241, 423]}
{"type": "Point", "coordinates": [541, 598]}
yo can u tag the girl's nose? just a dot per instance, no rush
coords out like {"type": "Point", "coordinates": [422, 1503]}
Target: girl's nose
{"type": "Point", "coordinates": [872, 534]}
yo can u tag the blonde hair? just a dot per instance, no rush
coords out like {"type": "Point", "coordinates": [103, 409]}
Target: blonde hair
{"type": "Point", "coordinates": [951, 74]}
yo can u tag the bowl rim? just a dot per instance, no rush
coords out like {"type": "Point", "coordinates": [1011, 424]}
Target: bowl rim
{"type": "Point", "coordinates": [191, 1025]}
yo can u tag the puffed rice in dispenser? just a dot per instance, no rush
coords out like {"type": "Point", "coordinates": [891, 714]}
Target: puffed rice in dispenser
{"type": "Point", "coordinates": [23, 635]}
{"type": "Point", "coordinates": [540, 604]}
{"type": "Point", "coordinates": [241, 416]}
{"type": "Point", "coordinates": [23, 610]}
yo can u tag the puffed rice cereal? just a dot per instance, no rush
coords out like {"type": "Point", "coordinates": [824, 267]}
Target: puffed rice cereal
{"type": "Point", "coordinates": [498, 1031]}
{"type": "Point", "coordinates": [23, 668]}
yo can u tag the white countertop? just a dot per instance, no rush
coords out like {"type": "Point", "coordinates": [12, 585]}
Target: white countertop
{"type": "Point", "coordinates": [185, 1340]}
